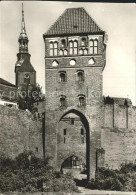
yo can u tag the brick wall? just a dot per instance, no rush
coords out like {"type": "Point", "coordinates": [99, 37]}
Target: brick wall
{"type": "Point", "coordinates": [119, 134]}
{"type": "Point", "coordinates": [19, 132]}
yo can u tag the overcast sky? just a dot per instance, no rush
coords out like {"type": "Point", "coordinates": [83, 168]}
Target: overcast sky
{"type": "Point", "coordinates": [117, 19]}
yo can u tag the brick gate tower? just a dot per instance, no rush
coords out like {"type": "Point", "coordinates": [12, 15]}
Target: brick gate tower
{"type": "Point", "coordinates": [74, 63]}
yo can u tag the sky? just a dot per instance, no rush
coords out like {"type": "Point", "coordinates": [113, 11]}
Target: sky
{"type": "Point", "coordinates": [117, 19]}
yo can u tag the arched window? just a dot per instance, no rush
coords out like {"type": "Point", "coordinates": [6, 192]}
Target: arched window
{"type": "Point", "coordinates": [53, 48]}
{"type": "Point", "coordinates": [80, 75]}
{"type": "Point", "coordinates": [91, 46]}
{"type": "Point", "coordinates": [83, 41]}
{"type": "Point", "coordinates": [85, 51]}
{"type": "Point", "coordinates": [95, 46]}
{"type": "Point", "coordinates": [62, 76]}
{"type": "Point", "coordinates": [65, 52]}
{"type": "Point", "coordinates": [71, 47]}
{"type": "Point", "coordinates": [81, 51]}
{"type": "Point", "coordinates": [82, 101]}
{"type": "Point", "coordinates": [61, 52]}
{"type": "Point", "coordinates": [75, 47]}
{"type": "Point", "coordinates": [27, 79]}
{"type": "Point", "coordinates": [62, 101]}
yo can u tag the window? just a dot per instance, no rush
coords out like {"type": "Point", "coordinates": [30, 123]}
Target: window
{"type": "Point", "coordinates": [63, 42]}
{"type": "Point", "coordinates": [80, 75]}
{"type": "Point", "coordinates": [83, 41]}
{"type": "Point", "coordinates": [82, 131]}
{"type": "Point", "coordinates": [36, 149]}
{"type": "Point", "coordinates": [73, 47]}
{"type": "Point", "coordinates": [72, 121]}
{"type": "Point", "coordinates": [65, 131]}
{"type": "Point", "coordinates": [85, 51]}
{"type": "Point", "coordinates": [82, 101]}
{"type": "Point", "coordinates": [64, 140]}
{"type": "Point", "coordinates": [27, 79]}
{"type": "Point", "coordinates": [53, 48]}
{"type": "Point", "coordinates": [62, 77]}
{"type": "Point", "coordinates": [94, 46]}
{"type": "Point", "coordinates": [81, 51]}
{"type": "Point", "coordinates": [91, 46]}
{"type": "Point", "coordinates": [62, 101]}
{"type": "Point", "coordinates": [65, 52]}
{"type": "Point", "coordinates": [61, 52]}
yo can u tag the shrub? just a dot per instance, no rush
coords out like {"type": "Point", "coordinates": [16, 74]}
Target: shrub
{"type": "Point", "coordinates": [28, 173]}
{"type": "Point", "coordinates": [123, 179]}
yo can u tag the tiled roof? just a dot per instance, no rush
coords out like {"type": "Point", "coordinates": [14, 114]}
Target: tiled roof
{"type": "Point", "coordinates": [4, 82]}
{"type": "Point", "coordinates": [26, 66]}
{"type": "Point", "coordinates": [74, 21]}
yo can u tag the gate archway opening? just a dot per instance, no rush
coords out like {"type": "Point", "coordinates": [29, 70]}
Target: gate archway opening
{"type": "Point", "coordinates": [75, 166]}
{"type": "Point", "coordinates": [74, 138]}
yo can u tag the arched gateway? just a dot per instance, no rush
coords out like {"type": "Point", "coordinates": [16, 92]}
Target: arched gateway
{"type": "Point", "coordinates": [73, 142]}
{"type": "Point", "coordinates": [74, 114]}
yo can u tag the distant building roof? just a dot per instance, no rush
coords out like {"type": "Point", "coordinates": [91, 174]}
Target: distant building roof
{"type": "Point", "coordinates": [4, 82]}
{"type": "Point", "coordinates": [74, 21]}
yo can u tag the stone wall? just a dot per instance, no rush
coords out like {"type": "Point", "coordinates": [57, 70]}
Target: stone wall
{"type": "Point", "coordinates": [19, 132]}
{"type": "Point", "coordinates": [119, 133]}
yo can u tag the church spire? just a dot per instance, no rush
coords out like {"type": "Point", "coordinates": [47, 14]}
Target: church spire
{"type": "Point", "coordinates": [23, 30]}
{"type": "Point", "coordinates": [23, 39]}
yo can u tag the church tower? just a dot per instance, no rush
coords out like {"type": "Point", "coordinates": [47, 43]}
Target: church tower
{"type": "Point", "coordinates": [24, 71]}
{"type": "Point", "coordinates": [74, 64]}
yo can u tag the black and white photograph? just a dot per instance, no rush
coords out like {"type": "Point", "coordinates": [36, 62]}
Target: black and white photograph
{"type": "Point", "coordinates": [67, 98]}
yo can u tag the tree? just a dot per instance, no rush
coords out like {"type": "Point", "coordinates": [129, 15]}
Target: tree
{"type": "Point", "coordinates": [29, 97]}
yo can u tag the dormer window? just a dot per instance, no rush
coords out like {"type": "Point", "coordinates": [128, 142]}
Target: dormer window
{"type": "Point", "coordinates": [53, 48]}
{"type": "Point", "coordinates": [27, 79]}
{"type": "Point", "coordinates": [82, 101]}
{"type": "Point", "coordinates": [62, 77]}
{"type": "Point", "coordinates": [80, 75]}
{"type": "Point", "coordinates": [63, 101]}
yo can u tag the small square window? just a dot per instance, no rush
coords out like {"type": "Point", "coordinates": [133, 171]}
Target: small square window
{"type": "Point", "coordinates": [72, 121]}
{"type": "Point", "coordinates": [65, 132]}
